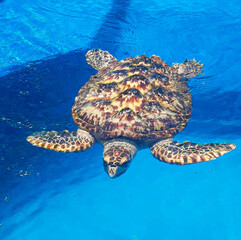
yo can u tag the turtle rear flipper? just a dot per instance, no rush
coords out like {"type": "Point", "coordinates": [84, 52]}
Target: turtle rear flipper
{"type": "Point", "coordinates": [99, 59]}
{"type": "Point", "coordinates": [188, 69]}
{"type": "Point", "coordinates": [62, 141]}
{"type": "Point", "coordinates": [188, 152]}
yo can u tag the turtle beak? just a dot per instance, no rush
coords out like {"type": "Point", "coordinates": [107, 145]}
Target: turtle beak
{"type": "Point", "coordinates": [116, 170]}
{"type": "Point", "coordinates": [112, 171]}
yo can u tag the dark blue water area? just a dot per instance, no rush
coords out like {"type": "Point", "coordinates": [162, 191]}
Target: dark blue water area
{"type": "Point", "coordinates": [50, 195]}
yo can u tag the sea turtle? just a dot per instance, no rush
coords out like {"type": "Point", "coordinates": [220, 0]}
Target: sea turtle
{"type": "Point", "coordinates": [132, 104]}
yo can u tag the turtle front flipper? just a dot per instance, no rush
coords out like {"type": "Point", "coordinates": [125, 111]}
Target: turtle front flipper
{"type": "Point", "coordinates": [99, 59]}
{"type": "Point", "coordinates": [117, 156]}
{"type": "Point", "coordinates": [62, 141]}
{"type": "Point", "coordinates": [188, 69]}
{"type": "Point", "coordinates": [188, 152]}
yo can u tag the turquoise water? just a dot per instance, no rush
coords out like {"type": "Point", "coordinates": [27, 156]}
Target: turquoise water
{"type": "Point", "coordinates": [49, 195]}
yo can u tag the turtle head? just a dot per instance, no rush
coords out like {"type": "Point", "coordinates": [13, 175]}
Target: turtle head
{"type": "Point", "coordinates": [117, 157]}
{"type": "Point", "coordinates": [116, 168]}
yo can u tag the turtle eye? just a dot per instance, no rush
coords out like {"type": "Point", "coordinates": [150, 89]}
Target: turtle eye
{"type": "Point", "coordinates": [104, 163]}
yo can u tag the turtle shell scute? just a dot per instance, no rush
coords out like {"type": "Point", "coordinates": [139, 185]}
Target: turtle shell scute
{"type": "Point", "coordinates": [137, 99]}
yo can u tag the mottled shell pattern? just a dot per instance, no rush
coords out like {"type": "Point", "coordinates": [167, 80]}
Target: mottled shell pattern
{"type": "Point", "coordinates": [141, 99]}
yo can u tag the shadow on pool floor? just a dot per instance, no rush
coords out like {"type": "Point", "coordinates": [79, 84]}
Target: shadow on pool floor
{"type": "Point", "coordinates": [40, 95]}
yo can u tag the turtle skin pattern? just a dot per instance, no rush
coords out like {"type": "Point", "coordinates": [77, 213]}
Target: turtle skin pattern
{"type": "Point", "coordinates": [62, 141]}
{"type": "Point", "coordinates": [188, 152]}
{"type": "Point", "coordinates": [141, 98]}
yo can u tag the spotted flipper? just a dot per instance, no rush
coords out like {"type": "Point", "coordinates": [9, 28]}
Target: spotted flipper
{"type": "Point", "coordinates": [188, 69]}
{"type": "Point", "coordinates": [188, 152]}
{"type": "Point", "coordinates": [117, 157]}
{"type": "Point", "coordinates": [99, 59]}
{"type": "Point", "coordinates": [62, 141]}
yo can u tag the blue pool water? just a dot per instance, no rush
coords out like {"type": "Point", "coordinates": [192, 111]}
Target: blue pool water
{"type": "Point", "coordinates": [49, 195]}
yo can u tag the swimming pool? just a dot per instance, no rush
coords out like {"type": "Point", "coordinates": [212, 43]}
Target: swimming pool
{"type": "Point", "coordinates": [44, 194]}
